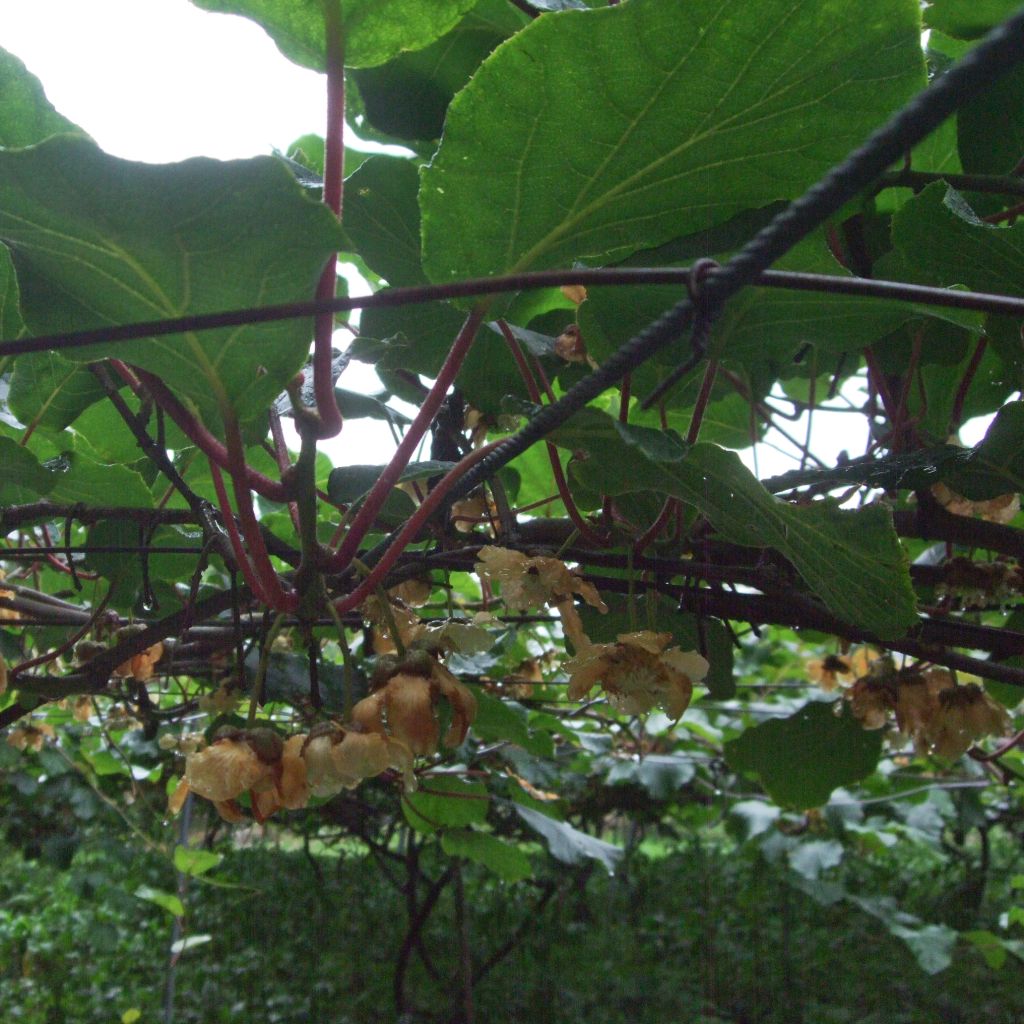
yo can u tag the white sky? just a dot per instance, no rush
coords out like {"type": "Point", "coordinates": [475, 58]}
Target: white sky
{"type": "Point", "coordinates": [161, 80]}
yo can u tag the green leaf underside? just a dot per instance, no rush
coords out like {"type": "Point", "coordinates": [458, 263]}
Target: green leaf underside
{"type": "Point", "coordinates": [599, 132]}
{"type": "Point", "coordinates": [407, 98]}
{"type": "Point", "coordinates": [51, 391]}
{"type": "Point", "coordinates": [801, 759]}
{"type": "Point", "coordinates": [851, 559]}
{"type": "Point", "coordinates": [568, 844]}
{"type": "Point", "coordinates": [28, 115]}
{"type": "Point", "coordinates": [97, 241]}
{"type": "Point", "coordinates": [942, 242]}
{"type": "Point", "coordinates": [374, 30]}
{"type": "Point", "coordinates": [349, 484]}
{"type": "Point", "coordinates": [382, 220]}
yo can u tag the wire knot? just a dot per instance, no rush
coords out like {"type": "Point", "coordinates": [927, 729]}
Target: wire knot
{"type": "Point", "coordinates": [703, 316]}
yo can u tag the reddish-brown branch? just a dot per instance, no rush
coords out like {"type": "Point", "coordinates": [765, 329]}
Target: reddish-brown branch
{"type": "Point", "coordinates": [964, 386]}
{"type": "Point", "coordinates": [411, 529]}
{"type": "Point", "coordinates": [196, 431]}
{"type": "Point", "coordinates": [328, 414]}
{"type": "Point", "coordinates": [270, 582]}
{"type": "Point", "coordinates": [241, 557]}
{"type": "Point", "coordinates": [432, 403]}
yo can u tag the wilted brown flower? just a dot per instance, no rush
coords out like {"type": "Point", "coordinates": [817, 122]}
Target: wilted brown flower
{"type": "Point", "coordinates": [476, 510]}
{"type": "Point", "coordinates": [413, 592]}
{"type": "Point", "coordinates": [30, 736]}
{"type": "Point", "coordinates": [966, 713]}
{"type": "Point", "coordinates": [978, 584]}
{"type": "Point", "coordinates": [256, 761]}
{"type": "Point", "coordinates": [139, 666]}
{"type": "Point", "coordinates": [570, 346]}
{"type": "Point", "coordinates": [638, 673]}
{"type": "Point", "coordinates": [532, 582]}
{"type": "Point", "coordinates": [405, 621]}
{"type": "Point", "coordinates": [871, 699]}
{"type": "Point", "coordinates": [411, 704]}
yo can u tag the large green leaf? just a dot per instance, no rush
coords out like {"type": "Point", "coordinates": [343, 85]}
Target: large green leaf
{"type": "Point", "coordinates": [990, 129]}
{"type": "Point", "coordinates": [444, 801]}
{"type": "Point", "coordinates": [97, 240]}
{"type": "Point", "coordinates": [374, 30]}
{"type": "Point", "coordinates": [851, 559]}
{"type": "Point", "coordinates": [801, 759]}
{"type": "Point", "coordinates": [26, 115]}
{"type": "Point", "coordinates": [81, 480]}
{"type": "Point", "coordinates": [596, 132]}
{"type": "Point", "coordinates": [11, 324]}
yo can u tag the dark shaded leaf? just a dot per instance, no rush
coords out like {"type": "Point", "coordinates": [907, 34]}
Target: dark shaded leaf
{"type": "Point", "coordinates": [801, 759]}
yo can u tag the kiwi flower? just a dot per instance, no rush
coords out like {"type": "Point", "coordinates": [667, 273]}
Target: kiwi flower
{"type": "Point", "coordinates": [638, 673]}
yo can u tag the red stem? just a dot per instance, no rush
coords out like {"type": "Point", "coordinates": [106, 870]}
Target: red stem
{"type": "Point", "coordinates": [330, 419]}
{"type": "Point", "coordinates": [196, 431]}
{"type": "Point", "coordinates": [233, 535]}
{"type": "Point", "coordinates": [284, 464]}
{"type": "Point", "coordinates": [271, 583]}
{"type": "Point", "coordinates": [701, 405]}
{"type": "Point", "coordinates": [382, 488]}
{"type": "Point", "coordinates": [965, 383]}
{"type": "Point", "coordinates": [586, 531]}
{"type": "Point", "coordinates": [412, 527]}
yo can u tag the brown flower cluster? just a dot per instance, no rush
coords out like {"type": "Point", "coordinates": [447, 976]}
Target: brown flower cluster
{"type": "Point", "coordinates": [535, 581]}
{"type": "Point", "coordinates": [416, 706]}
{"type": "Point", "coordinates": [980, 584]}
{"type": "Point", "coordinates": [939, 715]}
